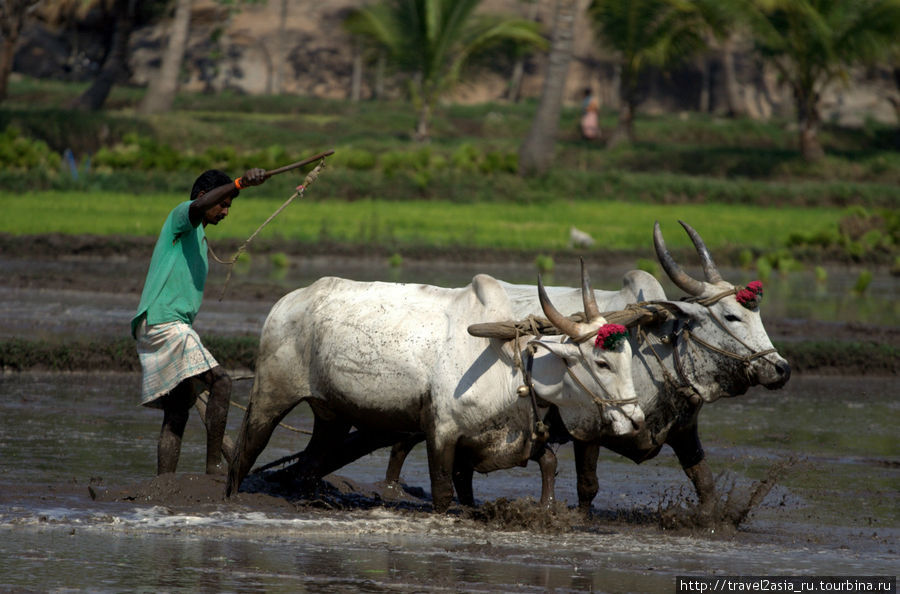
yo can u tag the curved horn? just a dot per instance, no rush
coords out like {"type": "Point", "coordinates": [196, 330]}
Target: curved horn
{"type": "Point", "coordinates": [591, 309]}
{"type": "Point", "coordinates": [709, 267]}
{"type": "Point", "coordinates": [678, 276]}
{"type": "Point", "coordinates": [557, 319]}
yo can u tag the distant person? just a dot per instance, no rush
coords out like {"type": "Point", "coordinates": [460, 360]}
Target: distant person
{"type": "Point", "coordinates": [176, 365]}
{"type": "Point", "coordinates": [590, 125]}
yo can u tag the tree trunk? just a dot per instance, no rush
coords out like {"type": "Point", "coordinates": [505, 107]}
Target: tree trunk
{"type": "Point", "coordinates": [422, 131]}
{"type": "Point", "coordinates": [282, 52]}
{"type": "Point", "coordinates": [705, 82]}
{"type": "Point", "coordinates": [380, 67]}
{"type": "Point", "coordinates": [7, 53]}
{"type": "Point", "coordinates": [536, 152]}
{"type": "Point", "coordinates": [736, 106]}
{"type": "Point", "coordinates": [515, 80]}
{"type": "Point", "coordinates": [12, 19]}
{"type": "Point", "coordinates": [161, 91]}
{"type": "Point", "coordinates": [356, 73]}
{"type": "Point", "coordinates": [115, 63]}
{"type": "Point", "coordinates": [624, 131]}
{"type": "Point", "coordinates": [514, 92]}
{"type": "Point", "coordinates": [808, 119]}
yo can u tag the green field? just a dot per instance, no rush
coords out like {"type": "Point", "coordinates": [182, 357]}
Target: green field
{"type": "Point", "coordinates": [416, 223]}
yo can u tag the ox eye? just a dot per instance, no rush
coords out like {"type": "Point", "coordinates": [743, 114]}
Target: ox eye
{"type": "Point", "coordinates": [732, 318]}
{"type": "Point", "coordinates": [601, 364]}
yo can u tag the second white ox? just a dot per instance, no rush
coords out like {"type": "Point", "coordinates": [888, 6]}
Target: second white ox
{"type": "Point", "coordinates": [388, 358]}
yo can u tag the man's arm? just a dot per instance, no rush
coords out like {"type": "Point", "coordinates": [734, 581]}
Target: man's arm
{"type": "Point", "coordinates": [207, 200]}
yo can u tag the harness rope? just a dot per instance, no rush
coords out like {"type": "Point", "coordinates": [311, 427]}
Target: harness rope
{"type": "Point", "coordinates": [301, 189]}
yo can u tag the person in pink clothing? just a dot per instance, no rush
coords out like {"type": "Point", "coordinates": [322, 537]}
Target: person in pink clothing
{"type": "Point", "coordinates": [590, 125]}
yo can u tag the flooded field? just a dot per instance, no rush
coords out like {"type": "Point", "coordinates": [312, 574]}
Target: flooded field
{"type": "Point", "coordinates": [834, 512]}
{"type": "Point", "coordinates": [77, 510]}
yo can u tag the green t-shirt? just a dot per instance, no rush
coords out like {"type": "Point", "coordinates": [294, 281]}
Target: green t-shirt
{"type": "Point", "coordinates": [174, 287]}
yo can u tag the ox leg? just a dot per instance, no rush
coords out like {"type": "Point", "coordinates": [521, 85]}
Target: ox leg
{"type": "Point", "coordinates": [256, 429]}
{"type": "Point", "coordinates": [546, 460]}
{"type": "Point", "coordinates": [399, 452]}
{"type": "Point", "coordinates": [440, 469]}
{"type": "Point", "coordinates": [463, 471]}
{"type": "Point", "coordinates": [686, 444]}
{"type": "Point", "coordinates": [586, 455]}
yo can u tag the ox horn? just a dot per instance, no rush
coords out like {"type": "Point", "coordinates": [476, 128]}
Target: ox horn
{"type": "Point", "coordinates": [557, 319]}
{"type": "Point", "coordinates": [591, 309]}
{"type": "Point", "coordinates": [709, 267]}
{"type": "Point", "coordinates": [679, 277]}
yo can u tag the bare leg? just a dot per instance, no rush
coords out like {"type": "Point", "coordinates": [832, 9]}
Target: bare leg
{"type": "Point", "coordinates": [216, 418]}
{"type": "Point", "coordinates": [176, 406]}
{"type": "Point", "coordinates": [227, 442]}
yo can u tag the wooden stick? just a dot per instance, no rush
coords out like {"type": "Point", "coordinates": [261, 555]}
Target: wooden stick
{"type": "Point", "coordinates": [299, 163]}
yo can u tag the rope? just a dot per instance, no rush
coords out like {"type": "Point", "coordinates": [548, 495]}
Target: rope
{"type": "Point", "coordinates": [301, 189]}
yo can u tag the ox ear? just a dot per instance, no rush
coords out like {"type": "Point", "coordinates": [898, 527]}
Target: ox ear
{"type": "Point", "coordinates": [567, 351]}
{"type": "Point", "coordinates": [685, 310]}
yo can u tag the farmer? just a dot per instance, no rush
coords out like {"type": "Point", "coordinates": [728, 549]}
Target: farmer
{"type": "Point", "coordinates": [176, 365]}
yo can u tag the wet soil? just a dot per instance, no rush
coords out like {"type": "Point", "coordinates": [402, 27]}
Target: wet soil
{"type": "Point", "coordinates": [136, 250]}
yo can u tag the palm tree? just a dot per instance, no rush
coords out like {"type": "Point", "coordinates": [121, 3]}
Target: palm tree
{"type": "Point", "coordinates": [536, 151]}
{"type": "Point", "coordinates": [812, 43]}
{"type": "Point", "coordinates": [161, 90]}
{"type": "Point", "coordinates": [645, 33]}
{"type": "Point", "coordinates": [432, 40]}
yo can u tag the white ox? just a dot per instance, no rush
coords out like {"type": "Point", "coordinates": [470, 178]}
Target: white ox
{"type": "Point", "coordinates": [674, 368]}
{"type": "Point", "coordinates": [391, 358]}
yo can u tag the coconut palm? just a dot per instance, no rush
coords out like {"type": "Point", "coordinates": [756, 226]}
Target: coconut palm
{"type": "Point", "coordinates": [813, 43]}
{"type": "Point", "coordinates": [161, 91]}
{"type": "Point", "coordinates": [432, 40]}
{"type": "Point", "coordinates": [537, 149]}
{"type": "Point", "coordinates": [645, 33]}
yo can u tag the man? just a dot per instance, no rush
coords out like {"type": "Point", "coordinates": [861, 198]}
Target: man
{"type": "Point", "coordinates": [175, 363]}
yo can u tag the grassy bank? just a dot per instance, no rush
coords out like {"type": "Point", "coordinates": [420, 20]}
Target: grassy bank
{"type": "Point", "coordinates": [118, 354]}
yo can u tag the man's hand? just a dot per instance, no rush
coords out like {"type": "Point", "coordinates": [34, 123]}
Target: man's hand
{"type": "Point", "coordinates": [253, 177]}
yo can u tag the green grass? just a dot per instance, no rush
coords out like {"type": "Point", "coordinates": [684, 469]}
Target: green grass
{"type": "Point", "coordinates": [538, 226]}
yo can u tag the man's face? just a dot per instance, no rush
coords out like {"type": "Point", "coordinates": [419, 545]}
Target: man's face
{"type": "Point", "coordinates": [218, 212]}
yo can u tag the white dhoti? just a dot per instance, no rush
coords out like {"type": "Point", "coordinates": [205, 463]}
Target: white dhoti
{"type": "Point", "coordinates": [170, 353]}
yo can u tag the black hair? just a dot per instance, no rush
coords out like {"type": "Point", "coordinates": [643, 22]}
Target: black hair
{"type": "Point", "coordinates": [209, 179]}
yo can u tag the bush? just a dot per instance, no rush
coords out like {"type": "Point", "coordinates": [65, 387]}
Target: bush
{"type": "Point", "coordinates": [20, 153]}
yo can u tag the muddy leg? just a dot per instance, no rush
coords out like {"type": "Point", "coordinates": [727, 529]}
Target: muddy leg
{"type": "Point", "coordinates": [546, 460]}
{"type": "Point", "coordinates": [176, 406]}
{"type": "Point", "coordinates": [462, 480]}
{"type": "Point", "coordinates": [227, 442]}
{"type": "Point", "coordinates": [256, 429]}
{"type": "Point", "coordinates": [586, 455]}
{"type": "Point", "coordinates": [399, 452]}
{"type": "Point", "coordinates": [328, 460]}
{"type": "Point", "coordinates": [216, 418]}
{"type": "Point", "coordinates": [324, 449]}
{"type": "Point", "coordinates": [686, 444]}
{"type": "Point", "coordinates": [440, 466]}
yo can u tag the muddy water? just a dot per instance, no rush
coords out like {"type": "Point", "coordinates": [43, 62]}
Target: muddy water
{"type": "Point", "coordinates": [835, 512]}
{"type": "Point", "coordinates": [82, 296]}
